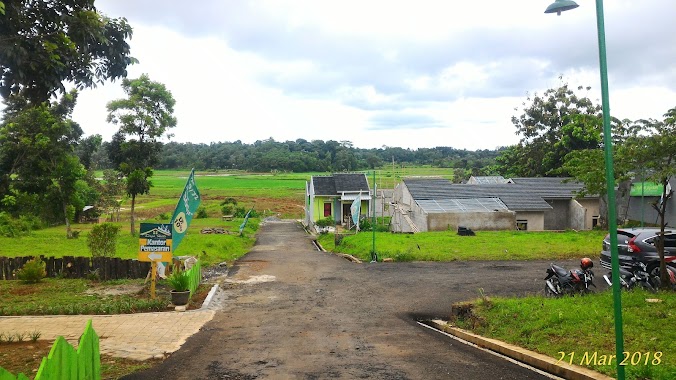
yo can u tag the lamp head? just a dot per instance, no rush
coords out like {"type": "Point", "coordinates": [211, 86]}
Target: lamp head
{"type": "Point", "coordinates": [560, 6]}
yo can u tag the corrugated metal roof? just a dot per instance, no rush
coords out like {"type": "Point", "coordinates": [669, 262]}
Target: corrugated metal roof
{"type": "Point", "coordinates": [482, 180]}
{"type": "Point", "coordinates": [515, 197]}
{"type": "Point", "coordinates": [462, 205]}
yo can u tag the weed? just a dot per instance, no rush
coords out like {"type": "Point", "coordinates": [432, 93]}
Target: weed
{"type": "Point", "coordinates": [34, 335]}
{"type": "Point", "coordinates": [20, 337]}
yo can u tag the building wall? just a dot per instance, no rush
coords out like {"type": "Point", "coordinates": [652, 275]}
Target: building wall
{"type": "Point", "coordinates": [591, 207]}
{"type": "Point", "coordinates": [535, 219]}
{"type": "Point", "coordinates": [318, 207]}
{"type": "Point", "coordinates": [577, 215]}
{"type": "Point", "coordinates": [384, 199]}
{"type": "Point", "coordinates": [639, 207]}
{"type": "Point", "coordinates": [477, 221]}
{"type": "Point", "coordinates": [557, 218]}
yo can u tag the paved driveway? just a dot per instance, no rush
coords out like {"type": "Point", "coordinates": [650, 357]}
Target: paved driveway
{"type": "Point", "coordinates": [295, 313]}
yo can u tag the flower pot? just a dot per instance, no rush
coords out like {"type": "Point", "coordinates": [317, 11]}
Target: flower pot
{"type": "Point", "coordinates": [179, 298]}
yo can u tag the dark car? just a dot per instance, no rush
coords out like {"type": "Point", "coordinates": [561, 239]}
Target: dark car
{"type": "Point", "coordinates": [640, 244]}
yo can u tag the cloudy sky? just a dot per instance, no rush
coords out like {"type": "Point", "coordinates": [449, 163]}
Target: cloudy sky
{"type": "Point", "coordinates": [410, 74]}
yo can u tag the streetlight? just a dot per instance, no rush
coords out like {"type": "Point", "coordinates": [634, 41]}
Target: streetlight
{"type": "Point", "coordinates": [557, 7]}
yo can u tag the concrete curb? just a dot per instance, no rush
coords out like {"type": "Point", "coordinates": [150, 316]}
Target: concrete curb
{"type": "Point", "coordinates": [534, 359]}
{"type": "Point", "coordinates": [210, 296]}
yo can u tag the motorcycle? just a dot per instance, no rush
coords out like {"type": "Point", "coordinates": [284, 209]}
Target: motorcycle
{"type": "Point", "coordinates": [636, 275]}
{"type": "Point", "coordinates": [671, 272]}
{"type": "Point", "coordinates": [560, 281]}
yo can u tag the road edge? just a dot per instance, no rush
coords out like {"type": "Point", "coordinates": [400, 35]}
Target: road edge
{"type": "Point", "coordinates": [534, 359]}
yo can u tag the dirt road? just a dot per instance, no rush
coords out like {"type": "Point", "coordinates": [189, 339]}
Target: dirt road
{"type": "Point", "coordinates": [295, 313]}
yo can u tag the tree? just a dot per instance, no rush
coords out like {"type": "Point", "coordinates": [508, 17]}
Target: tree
{"type": "Point", "coordinates": [44, 43]}
{"type": "Point", "coordinates": [37, 156]}
{"type": "Point", "coordinates": [550, 127]}
{"type": "Point", "coordinates": [86, 149]}
{"type": "Point", "coordinates": [586, 165]}
{"type": "Point", "coordinates": [143, 118]}
{"type": "Point", "coordinates": [652, 145]}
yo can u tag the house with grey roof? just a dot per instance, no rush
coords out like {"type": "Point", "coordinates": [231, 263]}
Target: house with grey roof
{"type": "Point", "coordinates": [536, 204]}
{"type": "Point", "coordinates": [331, 196]}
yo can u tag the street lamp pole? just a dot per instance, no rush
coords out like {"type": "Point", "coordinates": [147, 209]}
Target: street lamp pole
{"type": "Point", "coordinates": [558, 7]}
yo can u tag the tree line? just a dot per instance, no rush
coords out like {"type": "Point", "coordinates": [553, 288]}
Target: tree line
{"type": "Point", "coordinates": [305, 156]}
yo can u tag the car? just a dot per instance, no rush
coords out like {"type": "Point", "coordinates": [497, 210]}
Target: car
{"type": "Point", "coordinates": [640, 244]}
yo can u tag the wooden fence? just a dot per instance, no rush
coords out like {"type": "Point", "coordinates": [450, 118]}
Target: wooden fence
{"type": "Point", "coordinates": [66, 363]}
{"type": "Point", "coordinates": [106, 268]}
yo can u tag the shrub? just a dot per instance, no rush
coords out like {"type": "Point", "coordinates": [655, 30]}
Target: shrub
{"type": "Point", "coordinates": [32, 272]}
{"type": "Point", "coordinates": [240, 212]}
{"type": "Point", "coordinates": [10, 227]}
{"type": "Point", "coordinates": [102, 240]}
{"type": "Point", "coordinates": [179, 281]}
{"type": "Point", "coordinates": [326, 222]}
{"type": "Point", "coordinates": [201, 213]}
{"type": "Point", "coordinates": [228, 206]}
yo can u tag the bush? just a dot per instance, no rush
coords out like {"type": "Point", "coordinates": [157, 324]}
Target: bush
{"type": "Point", "coordinates": [10, 227]}
{"type": "Point", "coordinates": [102, 240]}
{"type": "Point", "coordinates": [179, 281]}
{"type": "Point", "coordinates": [326, 222]}
{"type": "Point", "coordinates": [201, 213]}
{"type": "Point", "coordinates": [240, 212]}
{"type": "Point", "coordinates": [228, 206]}
{"type": "Point", "coordinates": [32, 272]}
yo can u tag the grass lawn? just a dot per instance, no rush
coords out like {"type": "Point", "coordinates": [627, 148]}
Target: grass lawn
{"type": "Point", "coordinates": [218, 247]}
{"type": "Point", "coordinates": [581, 329]}
{"type": "Point", "coordinates": [486, 245]}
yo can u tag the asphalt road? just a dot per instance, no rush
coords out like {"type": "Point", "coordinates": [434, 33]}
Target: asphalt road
{"type": "Point", "coordinates": [296, 313]}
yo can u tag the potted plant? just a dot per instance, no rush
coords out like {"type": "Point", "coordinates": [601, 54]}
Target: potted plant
{"type": "Point", "coordinates": [180, 284]}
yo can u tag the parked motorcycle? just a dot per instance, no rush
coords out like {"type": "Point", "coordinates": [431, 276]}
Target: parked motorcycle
{"type": "Point", "coordinates": [636, 275]}
{"type": "Point", "coordinates": [671, 271]}
{"type": "Point", "coordinates": [560, 281]}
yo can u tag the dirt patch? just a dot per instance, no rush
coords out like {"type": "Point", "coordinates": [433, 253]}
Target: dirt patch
{"type": "Point", "coordinates": [117, 290]}
{"type": "Point", "coordinates": [257, 265]}
{"type": "Point", "coordinates": [23, 291]}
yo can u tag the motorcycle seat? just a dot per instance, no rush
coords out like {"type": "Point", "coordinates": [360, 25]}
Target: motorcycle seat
{"type": "Point", "coordinates": [560, 271]}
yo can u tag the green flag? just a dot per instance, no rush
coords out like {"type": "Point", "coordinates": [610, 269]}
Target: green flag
{"type": "Point", "coordinates": [185, 209]}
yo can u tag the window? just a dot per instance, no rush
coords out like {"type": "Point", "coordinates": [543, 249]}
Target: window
{"type": "Point", "coordinates": [595, 221]}
{"type": "Point", "coordinates": [669, 241]}
{"type": "Point", "coordinates": [327, 210]}
{"type": "Point", "coordinates": [522, 224]}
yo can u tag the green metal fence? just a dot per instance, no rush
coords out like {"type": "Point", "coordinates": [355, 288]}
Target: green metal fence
{"type": "Point", "coordinates": [66, 363]}
{"type": "Point", "coordinates": [195, 275]}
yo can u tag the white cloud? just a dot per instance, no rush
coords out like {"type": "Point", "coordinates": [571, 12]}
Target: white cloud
{"type": "Point", "coordinates": [396, 73]}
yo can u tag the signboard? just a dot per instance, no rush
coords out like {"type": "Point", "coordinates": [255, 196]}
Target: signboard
{"type": "Point", "coordinates": [155, 242]}
{"type": "Point", "coordinates": [185, 209]}
{"type": "Point", "coordinates": [646, 189]}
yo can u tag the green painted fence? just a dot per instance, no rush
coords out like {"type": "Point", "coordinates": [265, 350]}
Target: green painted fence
{"type": "Point", "coordinates": [66, 363]}
{"type": "Point", "coordinates": [195, 275]}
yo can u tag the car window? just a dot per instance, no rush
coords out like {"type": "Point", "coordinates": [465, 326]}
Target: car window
{"type": "Point", "coordinates": [670, 241]}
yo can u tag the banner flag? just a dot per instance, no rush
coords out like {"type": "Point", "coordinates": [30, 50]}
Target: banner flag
{"type": "Point", "coordinates": [185, 209]}
{"type": "Point", "coordinates": [355, 209]}
{"type": "Point", "coordinates": [246, 219]}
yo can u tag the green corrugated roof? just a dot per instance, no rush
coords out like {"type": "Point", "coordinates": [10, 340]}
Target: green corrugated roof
{"type": "Point", "coordinates": [647, 189]}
